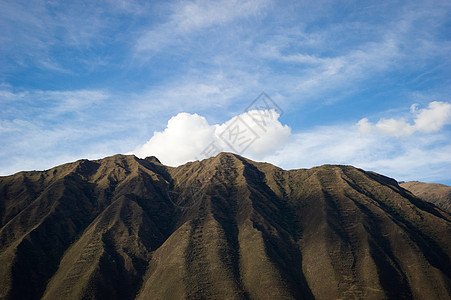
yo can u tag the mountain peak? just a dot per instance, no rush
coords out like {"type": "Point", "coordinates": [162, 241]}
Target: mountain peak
{"type": "Point", "coordinates": [153, 159]}
{"type": "Point", "coordinates": [130, 228]}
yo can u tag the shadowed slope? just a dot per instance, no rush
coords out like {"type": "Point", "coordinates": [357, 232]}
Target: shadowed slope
{"type": "Point", "coordinates": [68, 200]}
{"type": "Point", "coordinates": [436, 193]}
{"type": "Point", "coordinates": [225, 228]}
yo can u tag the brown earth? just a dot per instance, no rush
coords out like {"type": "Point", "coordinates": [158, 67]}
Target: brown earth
{"type": "Point", "coordinates": [436, 193]}
{"type": "Point", "coordinates": [222, 228]}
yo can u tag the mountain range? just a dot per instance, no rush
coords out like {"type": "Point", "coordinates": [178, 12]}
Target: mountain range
{"type": "Point", "coordinates": [436, 193]}
{"type": "Point", "coordinates": [221, 228]}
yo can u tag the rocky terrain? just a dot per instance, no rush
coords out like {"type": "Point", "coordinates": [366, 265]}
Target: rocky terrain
{"type": "Point", "coordinates": [436, 193]}
{"type": "Point", "coordinates": [222, 228]}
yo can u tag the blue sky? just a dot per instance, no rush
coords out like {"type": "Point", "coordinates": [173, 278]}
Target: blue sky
{"type": "Point", "coordinates": [365, 83]}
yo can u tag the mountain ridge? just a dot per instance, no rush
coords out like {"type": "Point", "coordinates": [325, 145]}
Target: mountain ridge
{"type": "Point", "coordinates": [436, 193]}
{"type": "Point", "coordinates": [225, 227]}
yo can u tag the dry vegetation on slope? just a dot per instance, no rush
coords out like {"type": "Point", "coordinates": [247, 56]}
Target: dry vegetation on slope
{"type": "Point", "coordinates": [436, 193]}
{"type": "Point", "coordinates": [225, 228]}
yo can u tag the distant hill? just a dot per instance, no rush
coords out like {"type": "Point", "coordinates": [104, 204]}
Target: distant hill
{"type": "Point", "coordinates": [436, 193]}
{"type": "Point", "coordinates": [222, 228]}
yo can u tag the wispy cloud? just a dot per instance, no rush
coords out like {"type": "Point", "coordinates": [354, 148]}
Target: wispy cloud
{"type": "Point", "coordinates": [103, 76]}
{"type": "Point", "coordinates": [395, 152]}
{"type": "Point", "coordinates": [45, 127]}
{"type": "Point", "coordinates": [190, 17]}
{"type": "Point", "coordinates": [59, 36]}
{"type": "Point", "coordinates": [47, 105]}
{"type": "Point", "coordinates": [424, 156]}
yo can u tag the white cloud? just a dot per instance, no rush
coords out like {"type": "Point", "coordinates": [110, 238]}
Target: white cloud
{"type": "Point", "coordinates": [431, 119]}
{"type": "Point", "coordinates": [434, 117]}
{"type": "Point", "coordinates": [215, 56]}
{"type": "Point", "coordinates": [415, 157]}
{"type": "Point", "coordinates": [189, 137]}
{"type": "Point", "coordinates": [34, 33]}
{"type": "Point", "coordinates": [40, 129]}
{"type": "Point", "coordinates": [72, 101]}
{"type": "Point", "coordinates": [194, 93]}
{"type": "Point", "coordinates": [47, 105]}
{"type": "Point", "coordinates": [199, 14]}
{"type": "Point", "coordinates": [184, 138]}
{"type": "Point", "coordinates": [193, 16]}
{"type": "Point", "coordinates": [424, 157]}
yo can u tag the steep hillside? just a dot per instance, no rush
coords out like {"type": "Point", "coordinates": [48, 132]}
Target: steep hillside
{"type": "Point", "coordinates": [436, 193]}
{"type": "Point", "coordinates": [222, 228]}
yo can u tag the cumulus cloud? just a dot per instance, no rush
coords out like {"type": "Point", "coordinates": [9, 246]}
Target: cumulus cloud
{"type": "Point", "coordinates": [424, 157]}
{"type": "Point", "coordinates": [434, 118]}
{"type": "Point", "coordinates": [256, 134]}
{"type": "Point", "coordinates": [185, 136]}
{"type": "Point", "coordinates": [430, 119]}
{"type": "Point", "coordinates": [415, 157]}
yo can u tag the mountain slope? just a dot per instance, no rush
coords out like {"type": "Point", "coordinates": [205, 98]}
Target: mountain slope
{"type": "Point", "coordinates": [436, 193]}
{"type": "Point", "coordinates": [225, 227]}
